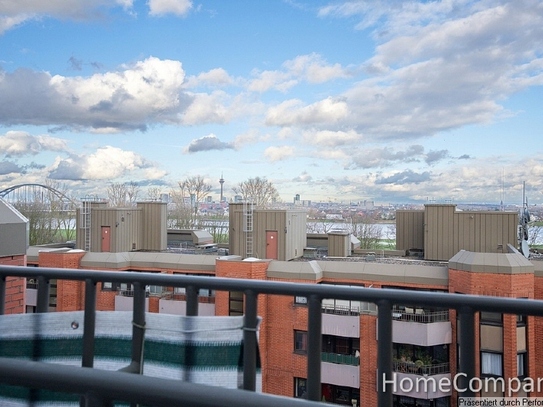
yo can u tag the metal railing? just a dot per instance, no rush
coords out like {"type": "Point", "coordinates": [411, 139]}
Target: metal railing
{"type": "Point", "coordinates": [420, 315]}
{"type": "Point", "coordinates": [98, 386]}
{"type": "Point", "coordinates": [421, 369]}
{"type": "Point", "coordinates": [340, 358]}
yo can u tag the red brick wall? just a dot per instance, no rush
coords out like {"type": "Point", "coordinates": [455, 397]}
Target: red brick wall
{"type": "Point", "coordinates": [15, 286]}
{"type": "Point", "coordinates": [500, 285]}
{"type": "Point", "coordinates": [255, 270]}
{"type": "Point", "coordinates": [536, 369]}
{"type": "Point", "coordinates": [70, 294]}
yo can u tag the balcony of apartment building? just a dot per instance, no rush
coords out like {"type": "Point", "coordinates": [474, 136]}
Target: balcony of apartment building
{"type": "Point", "coordinates": [423, 326]}
{"type": "Point", "coordinates": [341, 341]}
{"type": "Point", "coordinates": [98, 387]}
{"type": "Point", "coordinates": [421, 337]}
{"type": "Point", "coordinates": [167, 300]}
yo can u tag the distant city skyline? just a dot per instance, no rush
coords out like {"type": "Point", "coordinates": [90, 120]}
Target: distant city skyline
{"type": "Point", "coordinates": [393, 102]}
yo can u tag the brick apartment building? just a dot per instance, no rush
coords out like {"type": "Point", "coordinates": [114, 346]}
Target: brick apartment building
{"type": "Point", "coordinates": [424, 340]}
{"type": "Point", "coordinates": [13, 245]}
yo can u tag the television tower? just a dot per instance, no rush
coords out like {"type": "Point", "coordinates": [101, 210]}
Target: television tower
{"type": "Point", "coordinates": [221, 182]}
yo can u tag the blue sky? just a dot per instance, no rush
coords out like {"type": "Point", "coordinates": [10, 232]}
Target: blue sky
{"type": "Point", "coordinates": [391, 101]}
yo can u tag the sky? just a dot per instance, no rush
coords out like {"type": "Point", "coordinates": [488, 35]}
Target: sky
{"type": "Point", "coordinates": [383, 100]}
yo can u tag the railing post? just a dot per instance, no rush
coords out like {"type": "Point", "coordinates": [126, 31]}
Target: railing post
{"type": "Point", "coordinates": [466, 317]}
{"type": "Point", "coordinates": [2, 295]}
{"type": "Point", "coordinates": [249, 341]}
{"type": "Point", "coordinates": [314, 348]}
{"type": "Point", "coordinates": [192, 301]}
{"type": "Point", "coordinates": [138, 325]}
{"type": "Point", "coordinates": [384, 354]}
{"type": "Point", "coordinates": [43, 295]}
{"type": "Point", "coordinates": [89, 324]}
{"type": "Point", "coordinates": [138, 330]}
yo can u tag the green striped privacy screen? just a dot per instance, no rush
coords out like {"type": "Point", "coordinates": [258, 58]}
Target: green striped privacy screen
{"type": "Point", "coordinates": [207, 350]}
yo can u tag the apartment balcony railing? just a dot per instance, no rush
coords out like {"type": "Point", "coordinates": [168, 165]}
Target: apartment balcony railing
{"type": "Point", "coordinates": [340, 310]}
{"type": "Point", "coordinates": [421, 369]}
{"type": "Point", "coordinates": [338, 358]}
{"type": "Point", "coordinates": [420, 315]}
{"type": "Point", "coordinates": [99, 386]}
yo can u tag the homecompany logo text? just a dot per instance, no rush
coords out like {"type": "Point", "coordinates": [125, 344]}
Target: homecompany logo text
{"type": "Point", "coordinates": [457, 383]}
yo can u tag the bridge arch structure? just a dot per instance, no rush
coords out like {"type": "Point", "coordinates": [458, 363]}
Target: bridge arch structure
{"type": "Point", "coordinates": [30, 194]}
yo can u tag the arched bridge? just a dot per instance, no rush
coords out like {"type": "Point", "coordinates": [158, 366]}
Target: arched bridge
{"type": "Point", "coordinates": [28, 194]}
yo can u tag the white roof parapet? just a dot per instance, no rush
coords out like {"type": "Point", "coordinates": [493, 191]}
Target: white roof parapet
{"type": "Point", "coordinates": [499, 263]}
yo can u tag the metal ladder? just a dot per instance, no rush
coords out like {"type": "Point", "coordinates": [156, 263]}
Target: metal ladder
{"type": "Point", "coordinates": [86, 223]}
{"type": "Point", "coordinates": [248, 209]}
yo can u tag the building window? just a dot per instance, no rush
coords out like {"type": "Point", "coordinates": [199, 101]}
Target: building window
{"type": "Point", "coordinates": [405, 401]}
{"type": "Point", "coordinates": [300, 388]}
{"type": "Point", "coordinates": [32, 283]}
{"type": "Point", "coordinates": [340, 395]}
{"type": "Point", "coordinates": [154, 289]}
{"type": "Point", "coordinates": [521, 364]}
{"type": "Point", "coordinates": [235, 303]}
{"type": "Point", "coordinates": [491, 363]}
{"type": "Point", "coordinates": [300, 300]}
{"type": "Point", "coordinates": [109, 286]}
{"type": "Point", "coordinates": [206, 292]}
{"type": "Point", "coordinates": [300, 342]}
{"type": "Point", "coordinates": [340, 345]}
{"type": "Point", "coordinates": [491, 318]}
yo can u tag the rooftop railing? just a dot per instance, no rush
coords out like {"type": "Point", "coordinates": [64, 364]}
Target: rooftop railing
{"type": "Point", "coordinates": [98, 386]}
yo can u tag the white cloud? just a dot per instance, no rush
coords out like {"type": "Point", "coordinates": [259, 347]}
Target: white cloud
{"type": "Point", "coordinates": [207, 108]}
{"type": "Point", "coordinates": [106, 163]}
{"type": "Point", "coordinates": [292, 113]}
{"type": "Point", "coordinates": [327, 138]}
{"type": "Point", "coordinates": [177, 7]}
{"type": "Point", "coordinates": [148, 91]}
{"type": "Point", "coordinates": [310, 68]}
{"type": "Point", "coordinates": [7, 23]}
{"type": "Point", "coordinates": [207, 143]}
{"type": "Point", "coordinates": [278, 153]}
{"type": "Point", "coordinates": [13, 13]}
{"type": "Point", "coordinates": [213, 77]}
{"type": "Point", "coordinates": [20, 143]}
{"type": "Point", "coordinates": [440, 65]}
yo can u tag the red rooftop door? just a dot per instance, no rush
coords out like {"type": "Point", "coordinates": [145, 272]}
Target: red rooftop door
{"type": "Point", "coordinates": [106, 238]}
{"type": "Point", "coordinates": [271, 244]}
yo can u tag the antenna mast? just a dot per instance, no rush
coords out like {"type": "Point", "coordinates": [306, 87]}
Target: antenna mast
{"type": "Point", "coordinates": [524, 219]}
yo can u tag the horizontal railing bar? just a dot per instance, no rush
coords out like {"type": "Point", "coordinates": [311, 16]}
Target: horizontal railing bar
{"type": "Point", "coordinates": [131, 388]}
{"type": "Point", "coordinates": [395, 296]}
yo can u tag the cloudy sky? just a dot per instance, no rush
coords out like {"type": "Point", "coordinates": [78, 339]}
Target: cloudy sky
{"type": "Point", "coordinates": [391, 101]}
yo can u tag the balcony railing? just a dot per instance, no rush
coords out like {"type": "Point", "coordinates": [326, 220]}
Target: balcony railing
{"type": "Point", "coordinates": [420, 315]}
{"type": "Point", "coordinates": [98, 386]}
{"type": "Point", "coordinates": [340, 359]}
{"type": "Point", "coordinates": [421, 369]}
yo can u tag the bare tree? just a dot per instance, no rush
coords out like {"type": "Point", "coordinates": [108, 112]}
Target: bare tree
{"type": "Point", "coordinates": [258, 190]}
{"type": "Point", "coordinates": [186, 200]}
{"type": "Point", "coordinates": [122, 194]}
{"type": "Point", "coordinates": [319, 226]}
{"type": "Point", "coordinates": [154, 193]}
{"type": "Point", "coordinates": [132, 193]}
{"type": "Point", "coordinates": [366, 230]}
{"type": "Point", "coordinates": [218, 228]}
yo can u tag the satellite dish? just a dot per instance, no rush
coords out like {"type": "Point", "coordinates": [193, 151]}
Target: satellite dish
{"type": "Point", "coordinates": [525, 248]}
